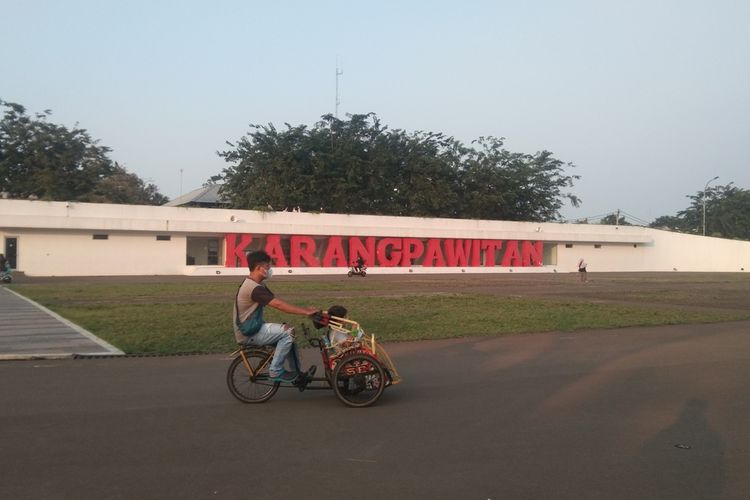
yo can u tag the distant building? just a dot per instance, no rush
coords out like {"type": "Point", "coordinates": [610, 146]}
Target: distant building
{"type": "Point", "coordinates": [52, 238]}
{"type": "Point", "coordinates": [204, 197]}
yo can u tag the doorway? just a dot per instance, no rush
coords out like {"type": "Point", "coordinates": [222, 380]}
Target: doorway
{"type": "Point", "coordinates": [11, 251]}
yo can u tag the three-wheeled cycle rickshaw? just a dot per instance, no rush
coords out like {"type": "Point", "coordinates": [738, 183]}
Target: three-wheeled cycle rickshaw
{"type": "Point", "coordinates": [356, 367]}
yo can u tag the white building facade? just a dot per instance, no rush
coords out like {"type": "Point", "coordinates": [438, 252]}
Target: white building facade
{"type": "Point", "coordinates": [84, 239]}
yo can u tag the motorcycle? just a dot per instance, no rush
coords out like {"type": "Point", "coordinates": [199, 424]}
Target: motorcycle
{"type": "Point", "coordinates": [356, 270]}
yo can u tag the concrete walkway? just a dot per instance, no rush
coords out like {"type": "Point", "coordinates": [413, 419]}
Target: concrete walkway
{"type": "Point", "coordinates": [31, 331]}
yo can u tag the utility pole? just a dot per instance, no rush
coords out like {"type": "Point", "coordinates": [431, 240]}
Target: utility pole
{"type": "Point", "coordinates": [617, 218]}
{"type": "Point", "coordinates": [705, 188]}
{"type": "Point", "coordinates": [180, 182]}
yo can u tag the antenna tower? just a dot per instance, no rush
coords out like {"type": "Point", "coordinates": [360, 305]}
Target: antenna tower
{"type": "Point", "coordinates": [339, 72]}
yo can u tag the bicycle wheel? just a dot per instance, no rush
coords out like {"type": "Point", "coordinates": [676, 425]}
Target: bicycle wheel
{"type": "Point", "coordinates": [358, 380]}
{"type": "Point", "coordinates": [250, 389]}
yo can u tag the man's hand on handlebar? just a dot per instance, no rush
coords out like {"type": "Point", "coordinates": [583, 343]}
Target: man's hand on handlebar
{"type": "Point", "coordinates": [320, 318]}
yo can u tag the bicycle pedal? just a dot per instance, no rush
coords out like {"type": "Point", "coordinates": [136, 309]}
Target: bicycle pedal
{"type": "Point", "coordinates": [302, 385]}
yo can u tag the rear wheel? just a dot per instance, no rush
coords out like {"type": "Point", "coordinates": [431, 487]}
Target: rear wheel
{"type": "Point", "coordinates": [250, 388]}
{"type": "Point", "coordinates": [364, 273]}
{"type": "Point", "coordinates": [358, 380]}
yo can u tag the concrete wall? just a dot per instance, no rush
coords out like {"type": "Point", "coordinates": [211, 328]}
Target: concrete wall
{"type": "Point", "coordinates": [56, 239]}
{"type": "Point", "coordinates": [75, 253]}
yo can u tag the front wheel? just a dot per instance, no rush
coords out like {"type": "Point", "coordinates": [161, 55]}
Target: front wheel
{"type": "Point", "coordinates": [350, 274]}
{"type": "Point", "coordinates": [247, 387]}
{"type": "Point", "coordinates": [358, 380]}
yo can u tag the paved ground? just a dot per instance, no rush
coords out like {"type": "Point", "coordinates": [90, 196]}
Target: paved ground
{"type": "Point", "coordinates": [29, 330]}
{"type": "Point", "coordinates": [637, 413]}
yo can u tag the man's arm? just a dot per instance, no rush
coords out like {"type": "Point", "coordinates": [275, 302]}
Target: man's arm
{"type": "Point", "coordinates": [291, 309]}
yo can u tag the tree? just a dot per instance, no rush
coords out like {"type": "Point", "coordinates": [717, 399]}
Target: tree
{"type": "Point", "coordinates": [669, 222]}
{"type": "Point", "coordinates": [497, 183]}
{"type": "Point", "coordinates": [39, 159]}
{"type": "Point", "coordinates": [727, 214]}
{"type": "Point", "coordinates": [121, 186]}
{"type": "Point", "coordinates": [358, 165]}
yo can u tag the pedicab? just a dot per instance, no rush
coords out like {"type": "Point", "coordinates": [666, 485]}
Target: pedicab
{"type": "Point", "coordinates": [356, 367]}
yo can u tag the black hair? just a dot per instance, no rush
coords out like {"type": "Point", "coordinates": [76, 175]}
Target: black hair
{"type": "Point", "coordinates": [339, 311]}
{"type": "Point", "coordinates": [256, 258]}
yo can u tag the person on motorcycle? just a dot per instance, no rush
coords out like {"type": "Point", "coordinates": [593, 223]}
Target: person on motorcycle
{"type": "Point", "coordinates": [254, 294]}
{"type": "Point", "coordinates": [359, 264]}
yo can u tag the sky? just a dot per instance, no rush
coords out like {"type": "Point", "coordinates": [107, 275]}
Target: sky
{"type": "Point", "coordinates": [647, 99]}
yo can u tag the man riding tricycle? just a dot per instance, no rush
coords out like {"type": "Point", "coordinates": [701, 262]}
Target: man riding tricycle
{"type": "Point", "coordinates": [356, 367]}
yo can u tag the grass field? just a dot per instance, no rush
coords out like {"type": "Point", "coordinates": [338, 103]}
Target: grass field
{"type": "Point", "coordinates": [180, 317]}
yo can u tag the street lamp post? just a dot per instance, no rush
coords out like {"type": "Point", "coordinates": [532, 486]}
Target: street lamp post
{"type": "Point", "coordinates": [705, 188]}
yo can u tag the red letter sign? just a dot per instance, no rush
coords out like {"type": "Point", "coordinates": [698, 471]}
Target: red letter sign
{"type": "Point", "coordinates": [533, 253]}
{"type": "Point", "coordinates": [412, 250]}
{"type": "Point", "coordinates": [334, 252]}
{"type": "Point", "coordinates": [367, 252]}
{"type": "Point", "coordinates": [389, 257]}
{"type": "Point", "coordinates": [512, 256]}
{"type": "Point", "coordinates": [433, 256]}
{"type": "Point", "coordinates": [273, 248]}
{"type": "Point", "coordinates": [234, 249]}
{"type": "Point", "coordinates": [303, 248]}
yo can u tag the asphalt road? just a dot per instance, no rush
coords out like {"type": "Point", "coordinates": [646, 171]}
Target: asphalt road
{"type": "Point", "coordinates": [647, 413]}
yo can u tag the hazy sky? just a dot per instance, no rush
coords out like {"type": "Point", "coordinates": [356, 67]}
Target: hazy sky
{"type": "Point", "coordinates": [649, 99]}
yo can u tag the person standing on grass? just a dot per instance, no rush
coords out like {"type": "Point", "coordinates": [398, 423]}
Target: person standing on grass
{"type": "Point", "coordinates": [582, 270]}
{"type": "Point", "coordinates": [249, 328]}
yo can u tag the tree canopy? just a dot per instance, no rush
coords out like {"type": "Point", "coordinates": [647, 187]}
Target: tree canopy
{"type": "Point", "coordinates": [43, 160]}
{"type": "Point", "coordinates": [357, 165]}
{"type": "Point", "coordinates": [727, 214]}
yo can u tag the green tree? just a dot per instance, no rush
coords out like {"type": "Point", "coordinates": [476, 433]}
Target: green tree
{"type": "Point", "coordinates": [121, 186]}
{"type": "Point", "coordinates": [358, 165]}
{"type": "Point", "coordinates": [669, 222]}
{"type": "Point", "coordinates": [500, 184]}
{"type": "Point", "coordinates": [727, 211]}
{"type": "Point", "coordinates": [39, 159]}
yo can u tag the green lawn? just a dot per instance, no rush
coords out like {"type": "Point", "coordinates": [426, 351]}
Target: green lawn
{"type": "Point", "coordinates": [181, 318]}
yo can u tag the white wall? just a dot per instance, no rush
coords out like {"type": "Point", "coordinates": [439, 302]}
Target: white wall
{"type": "Point", "coordinates": [55, 239]}
{"type": "Point", "coordinates": [58, 253]}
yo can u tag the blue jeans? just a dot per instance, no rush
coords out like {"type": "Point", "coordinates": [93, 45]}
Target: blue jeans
{"type": "Point", "coordinates": [282, 336]}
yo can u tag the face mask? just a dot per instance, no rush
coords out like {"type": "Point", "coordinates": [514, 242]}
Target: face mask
{"type": "Point", "coordinates": [269, 273]}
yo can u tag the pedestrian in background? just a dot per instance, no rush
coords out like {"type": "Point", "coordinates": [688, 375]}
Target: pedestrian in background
{"type": "Point", "coordinates": [582, 270]}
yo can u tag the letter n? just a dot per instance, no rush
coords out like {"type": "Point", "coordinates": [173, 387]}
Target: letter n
{"type": "Point", "coordinates": [533, 253]}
